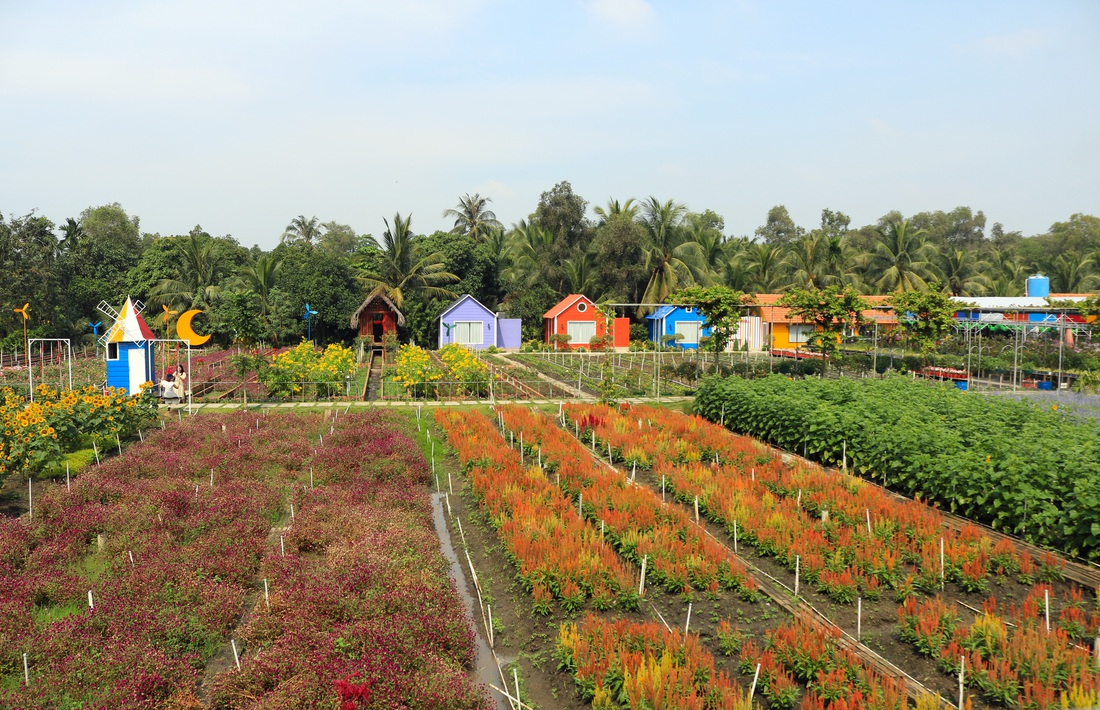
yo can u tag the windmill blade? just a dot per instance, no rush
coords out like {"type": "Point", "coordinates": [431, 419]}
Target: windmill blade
{"type": "Point", "coordinates": [108, 310]}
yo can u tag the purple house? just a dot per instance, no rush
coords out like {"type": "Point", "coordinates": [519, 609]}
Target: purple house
{"type": "Point", "coordinates": [467, 322]}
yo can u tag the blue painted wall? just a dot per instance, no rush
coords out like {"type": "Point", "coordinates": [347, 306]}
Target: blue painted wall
{"type": "Point", "coordinates": [663, 322]}
{"type": "Point", "coordinates": [118, 371]}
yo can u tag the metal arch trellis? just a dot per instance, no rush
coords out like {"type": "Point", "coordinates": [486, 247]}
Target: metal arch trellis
{"type": "Point", "coordinates": [30, 360]}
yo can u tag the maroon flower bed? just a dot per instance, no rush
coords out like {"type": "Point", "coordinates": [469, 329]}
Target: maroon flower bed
{"type": "Point", "coordinates": [199, 553]}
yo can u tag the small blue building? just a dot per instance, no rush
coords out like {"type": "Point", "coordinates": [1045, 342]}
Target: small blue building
{"type": "Point", "coordinates": [130, 356]}
{"type": "Point", "coordinates": [467, 322]}
{"type": "Point", "coordinates": [678, 320]}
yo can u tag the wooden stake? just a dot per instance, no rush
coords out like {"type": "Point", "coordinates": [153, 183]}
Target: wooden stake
{"type": "Point", "coordinates": [687, 624]}
{"type": "Point", "coordinates": [30, 496]}
{"type": "Point", "coordinates": [95, 448]}
{"type": "Point", "coordinates": [1046, 607]}
{"type": "Point", "coordinates": [696, 510]}
{"type": "Point", "coordinates": [662, 488]}
{"type": "Point", "coordinates": [131, 554]}
{"type": "Point", "coordinates": [91, 603]}
{"type": "Point", "coordinates": [211, 478]}
{"type": "Point", "coordinates": [236, 658]}
{"type": "Point", "coordinates": [311, 477]}
{"type": "Point", "coordinates": [942, 572]}
{"type": "Point", "coordinates": [580, 505]}
{"type": "Point", "coordinates": [610, 460]}
{"type": "Point", "coordinates": [515, 677]}
{"type": "Point", "coordinates": [26, 671]}
{"type": "Point", "coordinates": [141, 437]}
{"type": "Point", "coordinates": [282, 546]}
{"type": "Point", "coordinates": [118, 442]}
{"type": "Point", "coordinates": [68, 487]}
{"type": "Point", "coordinates": [267, 599]}
{"type": "Point", "coordinates": [634, 471]}
{"type": "Point", "coordinates": [489, 625]}
{"type": "Point", "coordinates": [868, 520]}
{"type": "Point", "coordinates": [641, 580]}
{"type": "Point", "coordinates": [859, 618]}
{"type": "Point", "coordinates": [799, 497]}
{"type": "Point", "coordinates": [755, 677]}
{"type": "Point", "coordinates": [291, 512]}
{"type": "Point", "coordinates": [754, 474]}
{"type": "Point", "coordinates": [450, 485]}
{"type": "Point", "coordinates": [962, 678]}
{"type": "Point", "coordinates": [797, 571]}
{"type": "Point", "coordinates": [735, 537]}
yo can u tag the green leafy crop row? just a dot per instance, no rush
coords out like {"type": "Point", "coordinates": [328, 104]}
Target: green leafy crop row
{"type": "Point", "coordinates": [1029, 470]}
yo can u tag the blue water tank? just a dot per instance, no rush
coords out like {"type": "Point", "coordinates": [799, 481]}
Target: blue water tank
{"type": "Point", "coordinates": [1038, 286]}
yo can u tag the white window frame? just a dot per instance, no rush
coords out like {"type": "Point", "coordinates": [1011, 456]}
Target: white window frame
{"type": "Point", "coordinates": [800, 332]}
{"type": "Point", "coordinates": [480, 329]}
{"type": "Point", "coordinates": [688, 325]}
{"type": "Point", "coordinates": [582, 307]}
{"type": "Point", "coordinates": [573, 334]}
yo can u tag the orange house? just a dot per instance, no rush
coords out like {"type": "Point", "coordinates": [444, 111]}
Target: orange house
{"type": "Point", "coordinates": [577, 317]}
{"type": "Point", "coordinates": [788, 332]}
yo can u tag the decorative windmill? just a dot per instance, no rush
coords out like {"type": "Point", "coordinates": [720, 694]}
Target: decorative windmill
{"type": "Point", "coordinates": [23, 311]}
{"type": "Point", "coordinates": [95, 334]}
{"type": "Point", "coordinates": [129, 347]}
{"type": "Point", "coordinates": [308, 319]}
{"type": "Point", "coordinates": [448, 327]}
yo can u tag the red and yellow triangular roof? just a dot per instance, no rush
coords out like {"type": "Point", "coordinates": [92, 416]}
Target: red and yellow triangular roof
{"type": "Point", "coordinates": [130, 326]}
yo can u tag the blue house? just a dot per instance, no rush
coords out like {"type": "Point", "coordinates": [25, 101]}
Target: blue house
{"type": "Point", "coordinates": [678, 320]}
{"type": "Point", "coordinates": [467, 322]}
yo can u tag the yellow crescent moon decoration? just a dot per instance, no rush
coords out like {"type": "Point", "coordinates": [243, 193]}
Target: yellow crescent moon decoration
{"type": "Point", "coordinates": [186, 332]}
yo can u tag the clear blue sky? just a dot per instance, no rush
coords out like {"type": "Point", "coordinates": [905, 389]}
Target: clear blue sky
{"type": "Point", "coordinates": [241, 115]}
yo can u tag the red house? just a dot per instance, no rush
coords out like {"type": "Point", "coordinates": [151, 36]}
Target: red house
{"type": "Point", "coordinates": [577, 317]}
{"type": "Point", "coordinates": [377, 316]}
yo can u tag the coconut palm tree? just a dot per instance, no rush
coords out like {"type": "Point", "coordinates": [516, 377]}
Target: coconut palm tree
{"type": "Point", "coordinates": [473, 216]}
{"type": "Point", "coordinates": [963, 272]}
{"type": "Point", "coordinates": [196, 282]}
{"type": "Point", "coordinates": [764, 266]}
{"type": "Point", "coordinates": [672, 259]}
{"type": "Point", "coordinates": [580, 275]}
{"type": "Point", "coordinates": [807, 259]}
{"type": "Point", "coordinates": [614, 208]}
{"type": "Point", "coordinates": [1006, 273]}
{"type": "Point", "coordinates": [302, 230]}
{"type": "Point", "coordinates": [1071, 273]}
{"type": "Point", "coordinates": [529, 245]}
{"type": "Point", "coordinates": [901, 259]}
{"type": "Point", "coordinates": [260, 280]}
{"type": "Point", "coordinates": [405, 269]}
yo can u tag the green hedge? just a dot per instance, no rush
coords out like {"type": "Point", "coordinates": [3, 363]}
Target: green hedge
{"type": "Point", "coordinates": [1029, 470]}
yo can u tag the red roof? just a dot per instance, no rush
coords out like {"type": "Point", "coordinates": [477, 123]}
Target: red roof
{"type": "Point", "coordinates": [771, 313]}
{"type": "Point", "coordinates": [565, 304]}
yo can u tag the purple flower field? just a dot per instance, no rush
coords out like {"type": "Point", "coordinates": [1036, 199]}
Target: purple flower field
{"type": "Point", "coordinates": [361, 595]}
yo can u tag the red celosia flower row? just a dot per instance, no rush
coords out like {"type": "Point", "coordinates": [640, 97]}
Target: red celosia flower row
{"type": "Point", "coordinates": [680, 555]}
{"type": "Point", "coordinates": [621, 663]}
{"type": "Point", "coordinates": [559, 555]}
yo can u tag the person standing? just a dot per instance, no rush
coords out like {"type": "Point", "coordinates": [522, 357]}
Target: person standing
{"type": "Point", "coordinates": [182, 390]}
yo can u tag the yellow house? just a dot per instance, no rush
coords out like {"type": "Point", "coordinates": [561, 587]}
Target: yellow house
{"type": "Point", "coordinates": [787, 332]}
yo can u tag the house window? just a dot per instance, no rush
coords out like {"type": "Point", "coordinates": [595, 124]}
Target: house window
{"type": "Point", "coordinates": [690, 331]}
{"type": "Point", "coordinates": [800, 333]}
{"type": "Point", "coordinates": [112, 351]}
{"type": "Point", "coordinates": [582, 307]}
{"type": "Point", "coordinates": [468, 332]}
{"type": "Point", "coordinates": [581, 331]}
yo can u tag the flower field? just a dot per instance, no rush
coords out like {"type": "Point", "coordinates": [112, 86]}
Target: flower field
{"type": "Point", "coordinates": [127, 590]}
{"type": "Point", "coordinates": [850, 541]}
{"type": "Point", "coordinates": [1029, 470]}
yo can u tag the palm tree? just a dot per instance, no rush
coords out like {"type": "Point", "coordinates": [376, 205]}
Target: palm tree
{"type": "Point", "coordinates": [713, 255]}
{"type": "Point", "coordinates": [1008, 273]}
{"type": "Point", "coordinates": [73, 234]}
{"type": "Point", "coordinates": [579, 275]}
{"type": "Point", "coordinates": [302, 230]}
{"type": "Point", "coordinates": [764, 266]}
{"type": "Point", "coordinates": [901, 259]}
{"type": "Point", "coordinates": [196, 281]}
{"type": "Point", "coordinates": [405, 270]}
{"type": "Point", "coordinates": [614, 208]}
{"type": "Point", "coordinates": [807, 258]}
{"type": "Point", "coordinates": [671, 258]}
{"type": "Point", "coordinates": [963, 273]}
{"type": "Point", "coordinates": [529, 245]}
{"type": "Point", "coordinates": [1071, 273]}
{"type": "Point", "coordinates": [473, 216]}
{"type": "Point", "coordinates": [260, 280]}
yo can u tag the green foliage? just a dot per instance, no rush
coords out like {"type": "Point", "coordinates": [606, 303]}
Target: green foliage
{"type": "Point", "coordinates": [926, 316]}
{"type": "Point", "coordinates": [1029, 470]}
{"type": "Point", "coordinates": [831, 310]}
{"type": "Point", "coordinates": [722, 307]}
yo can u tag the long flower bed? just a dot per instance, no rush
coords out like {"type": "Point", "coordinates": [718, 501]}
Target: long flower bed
{"type": "Point", "coordinates": [870, 540]}
{"type": "Point", "coordinates": [1030, 470]}
{"type": "Point", "coordinates": [362, 594]}
{"type": "Point", "coordinates": [624, 664]}
{"type": "Point", "coordinates": [680, 556]}
{"type": "Point", "coordinates": [170, 560]}
{"type": "Point", "coordinates": [559, 555]}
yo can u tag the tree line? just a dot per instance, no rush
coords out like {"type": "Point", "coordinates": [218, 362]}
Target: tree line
{"type": "Point", "coordinates": [632, 251]}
